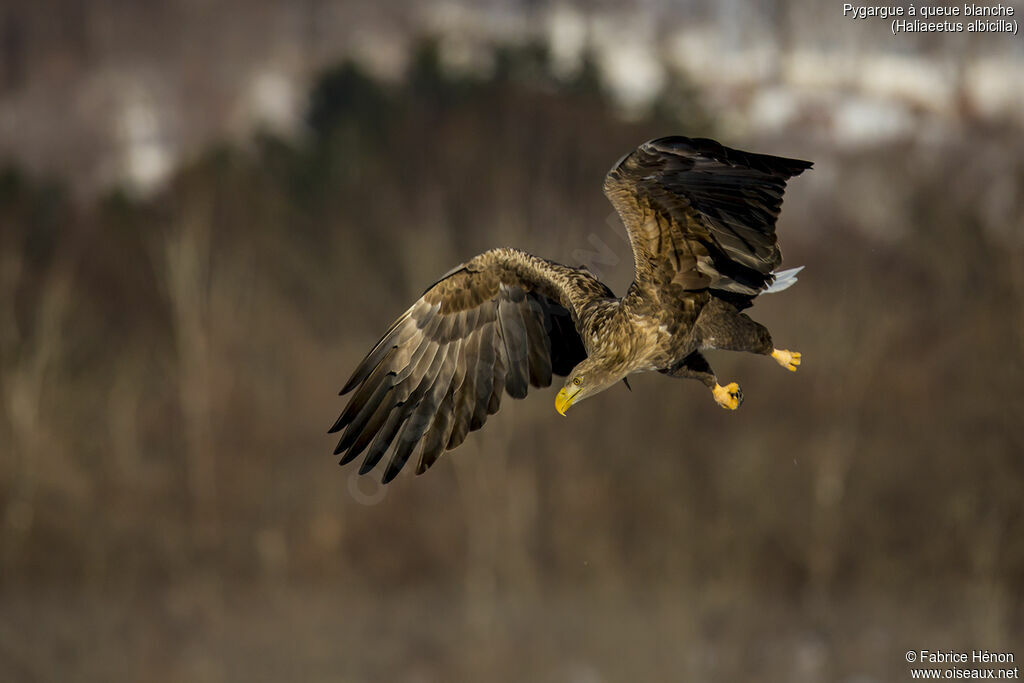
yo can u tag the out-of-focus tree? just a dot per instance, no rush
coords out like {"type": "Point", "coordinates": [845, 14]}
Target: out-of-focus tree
{"type": "Point", "coordinates": [37, 269]}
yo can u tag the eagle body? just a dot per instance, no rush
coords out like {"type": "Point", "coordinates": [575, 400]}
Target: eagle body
{"type": "Point", "coordinates": [701, 222]}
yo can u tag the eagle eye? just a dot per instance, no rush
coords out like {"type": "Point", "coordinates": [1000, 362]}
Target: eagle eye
{"type": "Point", "coordinates": [577, 381]}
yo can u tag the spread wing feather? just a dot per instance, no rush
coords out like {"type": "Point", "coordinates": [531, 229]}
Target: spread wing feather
{"type": "Point", "coordinates": [499, 324]}
{"type": "Point", "coordinates": [702, 214]}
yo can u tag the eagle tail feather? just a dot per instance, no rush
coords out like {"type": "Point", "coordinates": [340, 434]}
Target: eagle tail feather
{"type": "Point", "coordinates": [784, 279]}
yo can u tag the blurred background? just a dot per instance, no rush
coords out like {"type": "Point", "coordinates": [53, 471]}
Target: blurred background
{"type": "Point", "coordinates": [209, 211]}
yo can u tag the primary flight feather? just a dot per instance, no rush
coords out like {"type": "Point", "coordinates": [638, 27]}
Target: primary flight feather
{"type": "Point", "coordinates": [701, 222]}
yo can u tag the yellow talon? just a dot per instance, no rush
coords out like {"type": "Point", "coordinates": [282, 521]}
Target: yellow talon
{"type": "Point", "coordinates": [729, 397]}
{"type": "Point", "coordinates": [787, 359]}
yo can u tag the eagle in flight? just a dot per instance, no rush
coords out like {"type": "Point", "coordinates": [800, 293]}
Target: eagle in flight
{"type": "Point", "coordinates": [701, 223]}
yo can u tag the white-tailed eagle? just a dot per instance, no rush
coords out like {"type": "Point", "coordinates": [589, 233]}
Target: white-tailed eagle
{"type": "Point", "coordinates": [701, 222]}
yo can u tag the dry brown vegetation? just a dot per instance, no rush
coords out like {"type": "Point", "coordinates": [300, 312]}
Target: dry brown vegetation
{"type": "Point", "coordinates": [171, 511]}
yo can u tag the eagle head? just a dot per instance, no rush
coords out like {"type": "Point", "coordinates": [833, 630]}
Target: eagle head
{"type": "Point", "coordinates": [590, 377]}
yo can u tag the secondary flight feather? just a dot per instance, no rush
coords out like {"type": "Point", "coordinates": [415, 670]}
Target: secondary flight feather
{"type": "Point", "coordinates": [701, 221]}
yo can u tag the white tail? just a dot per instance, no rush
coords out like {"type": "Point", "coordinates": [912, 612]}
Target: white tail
{"type": "Point", "coordinates": [783, 280]}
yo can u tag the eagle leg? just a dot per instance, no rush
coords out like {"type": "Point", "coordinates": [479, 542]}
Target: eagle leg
{"type": "Point", "coordinates": [696, 366]}
{"type": "Point", "coordinates": [721, 326]}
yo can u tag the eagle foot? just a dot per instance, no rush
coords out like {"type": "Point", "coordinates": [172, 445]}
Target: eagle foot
{"type": "Point", "coordinates": [787, 359]}
{"type": "Point", "coordinates": [729, 397]}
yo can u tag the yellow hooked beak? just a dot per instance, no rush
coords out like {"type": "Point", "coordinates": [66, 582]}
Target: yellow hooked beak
{"type": "Point", "coordinates": [564, 400]}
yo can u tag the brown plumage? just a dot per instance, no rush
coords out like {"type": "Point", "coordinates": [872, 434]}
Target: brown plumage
{"type": "Point", "coordinates": [701, 221]}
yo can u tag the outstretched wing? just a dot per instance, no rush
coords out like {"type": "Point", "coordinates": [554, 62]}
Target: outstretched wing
{"type": "Point", "coordinates": [500, 323]}
{"type": "Point", "coordinates": [701, 214]}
